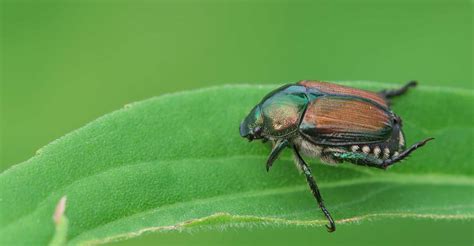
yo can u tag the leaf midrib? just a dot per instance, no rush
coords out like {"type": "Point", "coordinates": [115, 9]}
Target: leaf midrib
{"type": "Point", "coordinates": [391, 179]}
{"type": "Point", "coordinates": [435, 178]}
{"type": "Point", "coordinates": [394, 179]}
{"type": "Point", "coordinates": [262, 219]}
{"type": "Point", "coordinates": [373, 177]}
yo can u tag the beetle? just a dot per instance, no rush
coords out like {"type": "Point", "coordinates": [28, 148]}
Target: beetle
{"type": "Point", "coordinates": [332, 122]}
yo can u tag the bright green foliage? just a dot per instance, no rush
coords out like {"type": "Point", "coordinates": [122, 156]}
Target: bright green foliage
{"type": "Point", "coordinates": [177, 161]}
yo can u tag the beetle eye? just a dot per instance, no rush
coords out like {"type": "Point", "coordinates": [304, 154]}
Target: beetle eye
{"type": "Point", "coordinates": [257, 131]}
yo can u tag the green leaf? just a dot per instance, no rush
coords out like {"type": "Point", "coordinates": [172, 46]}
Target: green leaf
{"type": "Point", "coordinates": [177, 162]}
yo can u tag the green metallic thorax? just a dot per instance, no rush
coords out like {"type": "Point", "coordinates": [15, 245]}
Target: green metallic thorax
{"type": "Point", "coordinates": [282, 110]}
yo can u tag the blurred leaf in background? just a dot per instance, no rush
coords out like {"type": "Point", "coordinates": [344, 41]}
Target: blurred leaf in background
{"type": "Point", "coordinates": [65, 63]}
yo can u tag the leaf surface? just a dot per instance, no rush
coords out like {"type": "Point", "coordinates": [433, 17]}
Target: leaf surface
{"type": "Point", "coordinates": [177, 162]}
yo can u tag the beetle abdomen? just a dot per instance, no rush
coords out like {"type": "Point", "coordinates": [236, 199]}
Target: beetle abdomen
{"type": "Point", "coordinates": [345, 120]}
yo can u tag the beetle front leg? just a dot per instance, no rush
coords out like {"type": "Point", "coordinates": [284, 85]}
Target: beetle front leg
{"type": "Point", "coordinates": [277, 148]}
{"type": "Point", "coordinates": [314, 188]}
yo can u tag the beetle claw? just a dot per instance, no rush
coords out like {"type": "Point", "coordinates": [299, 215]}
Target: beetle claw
{"type": "Point", "coordinates": [331, 228]}
{"type": "Point", "coordinates": [268, 166]}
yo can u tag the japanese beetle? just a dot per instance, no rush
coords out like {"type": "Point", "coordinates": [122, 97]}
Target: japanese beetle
{"type": "Point", "coordinates": [332, 122]}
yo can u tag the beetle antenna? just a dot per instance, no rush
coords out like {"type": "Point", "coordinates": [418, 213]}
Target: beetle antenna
{"type": "Point", "coordinates": [314, 189]}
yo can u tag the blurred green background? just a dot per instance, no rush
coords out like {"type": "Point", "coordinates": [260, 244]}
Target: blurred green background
{"type": "Point", "coordinates": [65, 63]}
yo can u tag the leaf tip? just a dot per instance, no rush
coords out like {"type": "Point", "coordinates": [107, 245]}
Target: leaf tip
{"type": "Point", "coordinates": [60, 209]}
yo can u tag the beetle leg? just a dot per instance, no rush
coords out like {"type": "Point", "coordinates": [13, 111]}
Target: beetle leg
{"type": "Point", "coordinates": [359, 158]}
{"type": "Point", "coordinates": [277, 148]}
{"type": "Point", "coordinates": [314, 189]}
{"type": "Point", "coordinates": [404, 154]}
{"type": "Point", "coordinates": [397, 92]}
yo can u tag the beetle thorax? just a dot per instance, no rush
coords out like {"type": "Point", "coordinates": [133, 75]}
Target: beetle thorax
{"type": "Point", "coordinates": [282, 113]}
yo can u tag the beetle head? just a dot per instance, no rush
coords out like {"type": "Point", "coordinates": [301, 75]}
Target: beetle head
{"type": "Point", "coordinates": [252, 126]}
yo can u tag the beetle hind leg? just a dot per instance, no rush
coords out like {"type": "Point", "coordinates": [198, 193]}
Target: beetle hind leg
{"type": "Point", "coordinates": [390, 93]}
{"type": "Point", "coordinates": [404, 154]}
{"type": "Point", "coordinates": [360, 158]}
